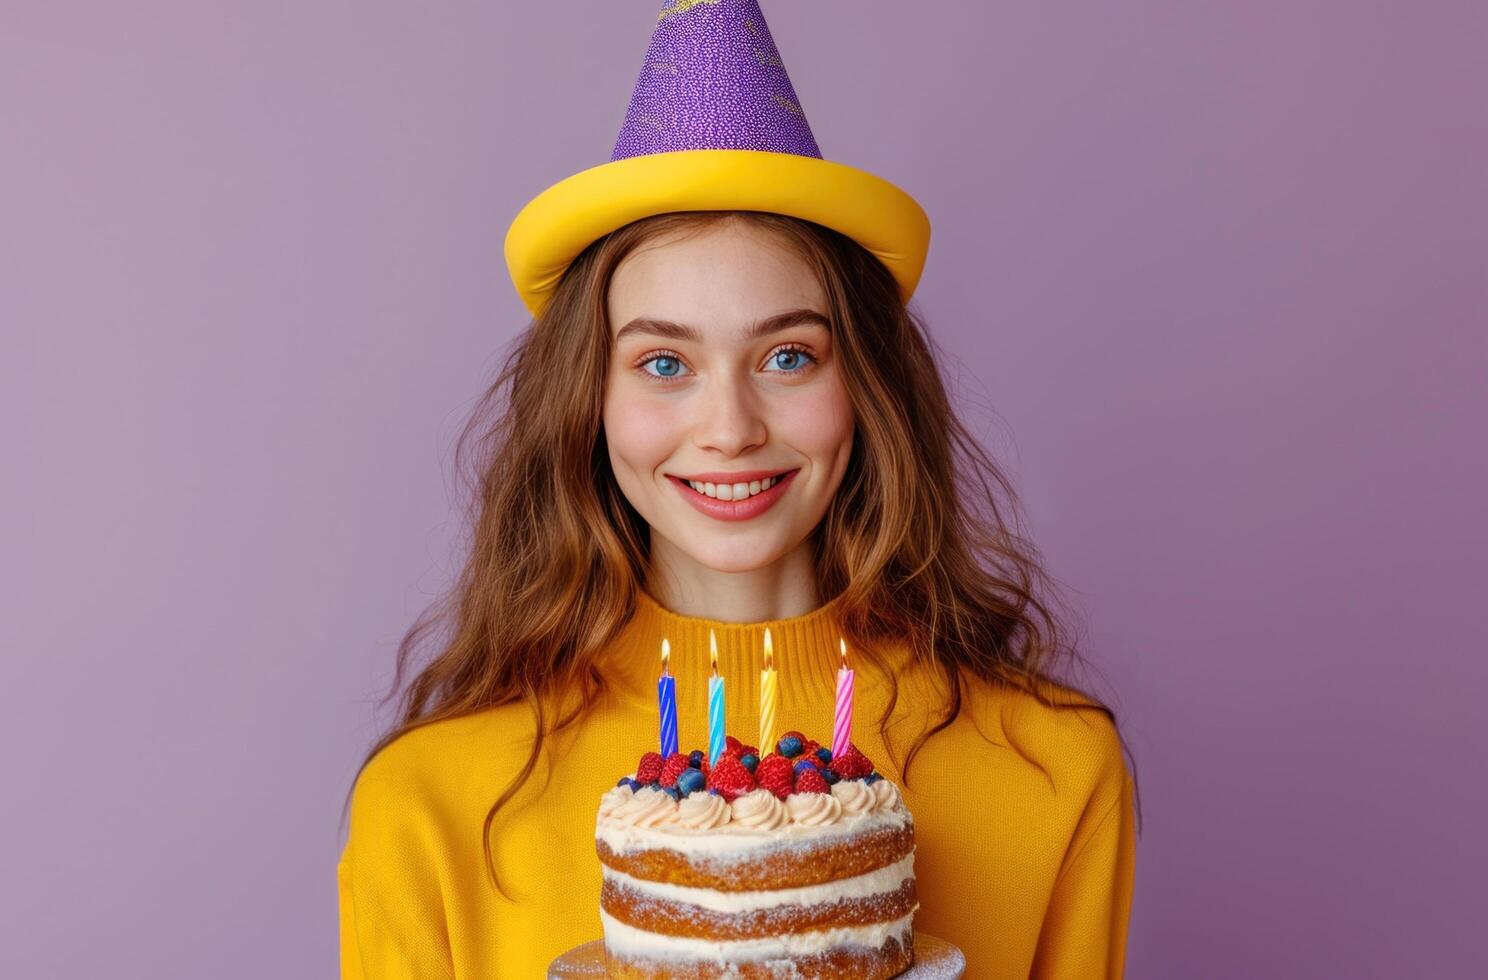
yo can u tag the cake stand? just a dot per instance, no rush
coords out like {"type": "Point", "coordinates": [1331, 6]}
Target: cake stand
{"type": "Point", "coordinates": [935, 959]}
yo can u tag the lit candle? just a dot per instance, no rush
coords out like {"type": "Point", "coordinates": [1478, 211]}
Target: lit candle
{"type": "Point", "coordinates": [666, 696]}
{"type": "Point", "coordinates": [769, 696]}
{"type": "Point", "coordinates": [715, 705]}
{"type": "Point", "coordinates": [842, 721]}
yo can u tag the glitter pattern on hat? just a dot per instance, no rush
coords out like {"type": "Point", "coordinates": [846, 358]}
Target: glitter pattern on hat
{"type": "Point", "coordinates": [713, 79]}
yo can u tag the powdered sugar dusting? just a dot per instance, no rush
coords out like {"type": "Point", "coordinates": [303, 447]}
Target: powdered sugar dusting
{"type": "Point", "coordinates": [934, 959]}
{"type": "Point", "coordinates": [879, 881]}
{"type": "Point", "coordinates": [630, 941]}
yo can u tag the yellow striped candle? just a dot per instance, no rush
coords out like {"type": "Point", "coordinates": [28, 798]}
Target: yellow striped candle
{"type": "Point", "coordinates": [769, 699]}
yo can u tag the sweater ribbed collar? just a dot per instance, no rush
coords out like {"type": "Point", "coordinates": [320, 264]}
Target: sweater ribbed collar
{"type": "Point", "coordinates": [805, 653]}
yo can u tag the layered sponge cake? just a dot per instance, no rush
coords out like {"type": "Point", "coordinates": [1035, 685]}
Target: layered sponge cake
{"type": "Point", "coordinates": [794, 864]}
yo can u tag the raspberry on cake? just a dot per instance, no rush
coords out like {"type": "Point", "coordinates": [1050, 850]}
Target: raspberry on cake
{"type": "Point", "coordinates": [794, 869]}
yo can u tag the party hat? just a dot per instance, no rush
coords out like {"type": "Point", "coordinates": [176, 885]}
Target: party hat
{"type": "Point", "coordinates": [713, 124]}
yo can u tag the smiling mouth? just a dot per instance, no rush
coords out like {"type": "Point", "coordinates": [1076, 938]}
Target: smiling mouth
{"type": "Point", "coordinates": [733, 491]}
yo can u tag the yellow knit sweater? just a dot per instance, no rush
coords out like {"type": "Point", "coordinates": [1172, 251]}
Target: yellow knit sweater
{"type": "Point", "coordinates": [1025, 847]}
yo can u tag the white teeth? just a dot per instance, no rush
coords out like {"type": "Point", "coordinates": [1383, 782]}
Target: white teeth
{"type": "Point", "coordinates": [734, 491]}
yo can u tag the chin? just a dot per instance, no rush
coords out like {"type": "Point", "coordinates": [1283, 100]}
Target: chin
{"type": "Point", "coordinates": [733, 559]}
{"type": "Point", "coordinates": [723, 554]}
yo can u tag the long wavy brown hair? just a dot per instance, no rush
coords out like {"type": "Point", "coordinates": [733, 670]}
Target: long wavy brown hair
{"type": "Point", "coordinates": [924, 539]}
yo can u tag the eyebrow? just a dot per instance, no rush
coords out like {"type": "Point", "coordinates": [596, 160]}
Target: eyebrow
{"type": "Point", "coordinates": [680, 331]}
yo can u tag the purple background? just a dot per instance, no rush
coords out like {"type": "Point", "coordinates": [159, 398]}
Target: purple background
{"type": "Point", "coordinates": [1210, 281]}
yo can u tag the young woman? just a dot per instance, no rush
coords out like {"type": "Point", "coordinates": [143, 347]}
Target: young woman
{"type": "Point", "coordinates": [725, 417]}
{"type": "Point", "coordinates": [773, 356]}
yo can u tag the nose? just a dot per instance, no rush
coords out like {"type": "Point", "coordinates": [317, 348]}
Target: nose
{"type": "Point", "coordinates": [729, 420]}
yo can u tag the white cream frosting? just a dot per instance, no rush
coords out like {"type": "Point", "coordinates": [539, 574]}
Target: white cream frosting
{"type": "Point", "coordinates": [855, 796]}
{"type": "Point", "coordinates": [612, 800]}
{"type": "Point", "coordinates": [753, 809]}
{"type": "Point", "coordinates": [647, 807]}
{"type": "Point", "coordinates": [649, 818]}
{"type": "Point", "coordinates": [759, 809]}
{"type": "Point", "coordinates": [882, 881]}
{"type": "Point", "coordinates": [886, 795]}
{"type": "Point", "coordinates": [813, 809]}
{"type": "Point", "coordinates": [701, 811]}
{"type": "Point", "coordinates": [630, 941]}
{"type": "Point", "coordinates": [731, 841]}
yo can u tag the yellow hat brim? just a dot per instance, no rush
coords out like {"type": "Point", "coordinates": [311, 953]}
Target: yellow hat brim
{"type": "Point", "coordinates": [558, 224]}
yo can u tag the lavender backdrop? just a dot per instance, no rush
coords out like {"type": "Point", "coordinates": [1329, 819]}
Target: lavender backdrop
{"type": "Point", "coordinates": [1212, 282]}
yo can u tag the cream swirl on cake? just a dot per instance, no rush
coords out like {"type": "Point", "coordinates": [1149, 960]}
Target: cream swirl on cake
{"type": "Point", "coordinates": [856, 797]}
{"type": "Point", "coordinates": [813, 809]}
{"type": "Point", "coordinates": [886, 795]}
{"type": "Point", "coordinates": [701, 811]}
{"type": "Point", "coordinates": [613, 799]}
{"type": "Point", "coordinates": [759, 809]}
{"type": "Point", "coordinates": [647, 807]}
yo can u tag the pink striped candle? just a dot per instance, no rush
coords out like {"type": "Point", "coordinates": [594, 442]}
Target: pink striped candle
{"type": "Point", "coordinates": [842, 722]}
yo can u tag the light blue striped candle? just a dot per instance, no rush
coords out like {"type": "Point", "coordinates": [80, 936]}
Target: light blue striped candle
{"type": "Point", "coordinates": [715, 706]}
{"type": "Point", "coordinates": [715, 719]}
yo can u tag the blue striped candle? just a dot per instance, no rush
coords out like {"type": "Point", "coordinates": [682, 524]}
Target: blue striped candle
{"type": "Point", "coordinates": [715, 706]}
{"type": "Point", "coordinates": [666, 696]}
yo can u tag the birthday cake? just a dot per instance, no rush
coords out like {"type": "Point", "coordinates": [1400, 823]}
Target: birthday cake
{"type": "Point", "coordinates": [794, 864]}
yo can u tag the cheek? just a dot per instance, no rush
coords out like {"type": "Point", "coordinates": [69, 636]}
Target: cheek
{"type": "Point", "coordinates": [819, 424]}
{"type": "Point", "coordinates": [640, 435]}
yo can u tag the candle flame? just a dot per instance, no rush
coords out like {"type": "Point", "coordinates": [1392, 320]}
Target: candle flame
{"type": "Point", "coordinates": [713, 651]}
{"type": "Point", "coordinates": [666, 654]}
{"type": "Point", "coordinates": [843, 644]}
{"type": "Point", "coordinates": [769, 651]}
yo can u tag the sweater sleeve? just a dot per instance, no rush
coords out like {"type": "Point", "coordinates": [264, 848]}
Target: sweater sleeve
{"type": "Point", "coordinates": [1085, 929]}
{"type": "Point", "coordinates": [390, 903]}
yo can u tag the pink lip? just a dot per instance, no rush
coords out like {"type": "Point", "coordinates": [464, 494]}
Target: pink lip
{"type": "Point", "coordinates": [735, 510]}
{"type": "Point", "coordinates": [719, 476]}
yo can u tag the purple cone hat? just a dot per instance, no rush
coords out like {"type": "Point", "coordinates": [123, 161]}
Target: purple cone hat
{"type": "Point", "coordinates": [713, 124]}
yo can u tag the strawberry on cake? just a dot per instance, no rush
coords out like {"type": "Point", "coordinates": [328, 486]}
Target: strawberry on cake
{"type": "Point", "coordinates": [792, 864]}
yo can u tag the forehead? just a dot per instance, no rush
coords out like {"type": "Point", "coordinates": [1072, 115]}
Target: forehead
{"type": "Point", "coordinates": [721, 282]}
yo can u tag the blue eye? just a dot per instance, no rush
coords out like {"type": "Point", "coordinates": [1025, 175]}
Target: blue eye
{"type": "Point", "coordinates": [789, 359]}
{"type": "Point", "coordinates": [666, 365]}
